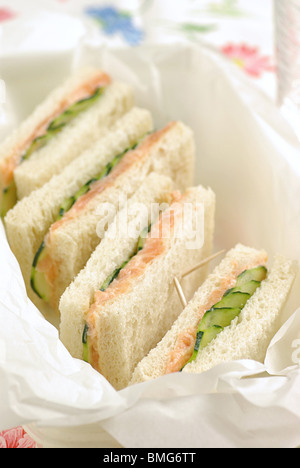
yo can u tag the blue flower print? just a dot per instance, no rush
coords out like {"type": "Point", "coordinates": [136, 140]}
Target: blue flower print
{"type": "Point", "coordinates": [115, 21]}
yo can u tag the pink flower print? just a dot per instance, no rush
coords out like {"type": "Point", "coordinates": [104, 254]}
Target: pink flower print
{"type": "Point", "coordinates": [2, 442]}
{"type": "Point", "coordinates": [248, 58]}
{"type": "Point", "coordinates": [16, 438]}
{"type": "Point", "coordinates": [6, 14]}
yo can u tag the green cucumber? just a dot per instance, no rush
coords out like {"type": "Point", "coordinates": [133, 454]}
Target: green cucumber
{"type": "Point", "coordinates": [9, 199]}
{"type": "Point", "coordinates": [65, 207]}
{"type": "Point", "coordinates": [140, 246]}
{"type": "Point", "coordinates": [112, 277]}
{"type": "Point", "coordinates": [248, 288]}
{"type": "Point", "coordinates": [234, 299]}
{"type": "Point", "coordinates": [59, 123]}
{"type": "Point", "coordinates": [256, 274]}
{"type": "Point", "coordinates": [40, 142]}
{"type": "Point", "coordinates": [208, 335]}
{"type": "Point", "coordinates": [142, 238]}
{"type": "Point", "coordinates": [85, 343]}
{"type": "Point", "coordinates": [69, 202]}
{"type": "Point", "coordinates": [107, 283]}
{"type": "Point", "coordinates": [103, 288]}
{"type": "Point", "coordinates": [203, 339]}
{"type": "Point", "coordinates": [72, 112]}
{"type": "Point", "coordinates": [9, 196]}
{"type": "Point", "coordinates": [38, 279]}
{"type": "Point", "coordinates": [221, 317]}
{"type": "Point", "coordinates": [224, 312]}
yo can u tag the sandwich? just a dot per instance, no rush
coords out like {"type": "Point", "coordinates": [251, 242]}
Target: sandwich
{"type": "Point", "coordinates": [232, 316]}
{"type": "Point", "coordinates": [29, 221]}
{"type": "Point", "coordinates": [81, 219]}
{"type": "Point", "coordinates": [122, 239]}
{"type": "Point", "coordinates": [70, 119]}
{"type": "Point", "coordinates": [126, 313]}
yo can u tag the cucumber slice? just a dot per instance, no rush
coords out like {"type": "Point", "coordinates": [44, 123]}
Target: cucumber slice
{"type": "Point", "coordinates": [73, 111]}
{"type": "Point", "coordinates": [9, 199]}
{"type": "Point", "coordinates": [221, 317]}
{"type": "Point", "coordinates": [38, 280]}
{"type": "Point", "coordinates": [58, 124]}
{"type": "Point", "coordinates": [115, 274]}
{"type": "Point", "coordinates": [256, 274]}
{"type": "Point", "coordinates": [40, 285]}
{"type": "Point", "coordinates": [209, 335]}
{"type": "Point", "coordinates": [203, 339]}
{"type": "Point", "coordinates": [233, 300]}
{"type": "Point", "coordinates": [69, 202]}
{"type": "Point", "coordinates": [112, 277]}
{"type": "Point", "coordinates": [61, 121]}
{"type": "Point", "coordinates": [40, 142]}
{"type": "Point", "coordinates": [85, 343]}
{"type": "Point", "coordinates": [37, 144]}
{"type": "Point", "coordinates": [249, 288]}
{"type": "Point", "coordinates": [142, 238]}
{"type": "Point", "coordinates": [70, 114]}
{"type": "Point", "coordinates": [85, 189]}
{"type": "Point", "coordinates": [65, 207]}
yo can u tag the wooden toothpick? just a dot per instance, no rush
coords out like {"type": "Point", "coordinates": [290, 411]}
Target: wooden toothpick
{"type": "Point", "coordinates": [177, 283]}
{"type": "Point", "coordinates": [180, 292]}
{"type": "Point", "coordinates": [203, 263]}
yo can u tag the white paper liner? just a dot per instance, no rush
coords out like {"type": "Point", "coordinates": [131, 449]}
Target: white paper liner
{"type": "Point", "coordinates": [255, 173]}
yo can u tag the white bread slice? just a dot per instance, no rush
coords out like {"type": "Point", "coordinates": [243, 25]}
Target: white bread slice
{"type": "Point", "coordinates": [71, 242]}
{"type": "Point", "coordinates": [28, 222]}
{"type": "Point", "coordinates": [46, 109]}
{"type": "Point", "coordinates": [80, 134]}
{"type": "Point", "coordinates": [115, 101]}
{"type": "Point", "coordinates": [242, 344]}
{"type": "Point", "coordinates": [249, 336]}
{"type": "Point", "coordinates": [132, 316]}
{"type": "Point", "coordinates": [117, 246]}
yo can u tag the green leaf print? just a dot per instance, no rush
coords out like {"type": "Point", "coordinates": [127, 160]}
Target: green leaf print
{"type": "Point", "coordinates": [225, 8]}
{"type": "Point", "coordinates": [197, 28]}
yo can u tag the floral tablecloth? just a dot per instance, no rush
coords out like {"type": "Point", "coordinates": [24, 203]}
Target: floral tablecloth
{"type": "Point", "coordinates": [241, 30]}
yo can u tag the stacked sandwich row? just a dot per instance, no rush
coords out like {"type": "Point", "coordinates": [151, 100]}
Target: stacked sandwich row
{"type": "Point", "coordinates": [101, 213]}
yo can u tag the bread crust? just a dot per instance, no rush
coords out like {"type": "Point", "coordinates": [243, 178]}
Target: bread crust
{"type": "Point", "coordinates": [76, 87]}
{"type": "Point", "coordinates": [72, 240]}
{"type": "Point", "coordinates": [246, 338]}
{"type": "Point", "coordinates": [28, 222]}
{"type": "Point", "coordinates": [125, 328]}
{"type": "Point", "coordinates": [116, 248]}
